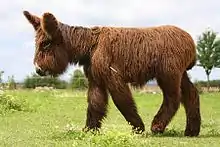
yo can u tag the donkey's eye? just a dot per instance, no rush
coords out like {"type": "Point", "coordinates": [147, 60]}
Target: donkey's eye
{"type": "Point", "coordinates": [46, 44]}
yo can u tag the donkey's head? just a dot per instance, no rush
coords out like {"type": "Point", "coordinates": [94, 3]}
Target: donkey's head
{"type": "Point", "coordinates": [51, 57]}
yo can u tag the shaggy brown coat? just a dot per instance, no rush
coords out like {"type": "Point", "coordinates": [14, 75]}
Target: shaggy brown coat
{"type": "Point", "coordinates": [113, 57]}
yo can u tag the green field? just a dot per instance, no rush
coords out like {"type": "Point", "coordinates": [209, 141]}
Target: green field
{"type": "Point", "coordinates": [56, 118]}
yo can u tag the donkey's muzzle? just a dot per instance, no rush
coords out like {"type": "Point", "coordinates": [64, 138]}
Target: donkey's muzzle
{"type": "Point", "coordinates": [40, 72]}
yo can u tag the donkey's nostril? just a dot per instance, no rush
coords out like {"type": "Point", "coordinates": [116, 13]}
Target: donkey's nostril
{"type": "Point", "coordinates": [40, 72]}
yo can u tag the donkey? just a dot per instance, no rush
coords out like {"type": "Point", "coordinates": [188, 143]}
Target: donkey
{"type": "Point", "coordinates": [113, 57]}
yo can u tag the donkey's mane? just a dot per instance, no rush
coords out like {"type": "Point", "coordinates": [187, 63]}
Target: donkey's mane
{"type": "Point", "coordinates": [80, 40]}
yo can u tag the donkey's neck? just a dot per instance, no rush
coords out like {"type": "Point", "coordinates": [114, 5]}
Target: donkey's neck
{"type": "Point", "coordinates": [79, 42]}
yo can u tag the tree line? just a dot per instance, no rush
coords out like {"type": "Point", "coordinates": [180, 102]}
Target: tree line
{"type": "Point", "coordinates": [77, 81]}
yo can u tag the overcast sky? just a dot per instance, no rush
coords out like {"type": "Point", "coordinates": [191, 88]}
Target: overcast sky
{"type": "Point", "coordinates": [17, 35]}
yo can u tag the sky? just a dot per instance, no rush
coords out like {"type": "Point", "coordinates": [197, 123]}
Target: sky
{"type": "Point", "coordinates": [17, 35]}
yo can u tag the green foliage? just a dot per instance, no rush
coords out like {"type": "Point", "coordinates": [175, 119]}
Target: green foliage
{"type": "Point", "coordinates": [111, 138]}
{"type": "Point", "coordinates": [1, 73]}
{"type": "Point", "coordinates": [78, 80]}
{"type": "Point", "coordinates": [34, 81]}
{"type": "Point", "coordinates": [208, 51]}
{"type": "Point", "coordinates": [203, 84]}
{"type": "Point", "coordinates": [11, 83]}
{"type": "Point", "coordinates": [212, 83]}
{"type": "Point", "coordinates": [199, 87]}
{"type": "Point", "coordinates": [10, 103]}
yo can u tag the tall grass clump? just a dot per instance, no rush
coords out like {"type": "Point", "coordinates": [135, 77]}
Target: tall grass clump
{"type": "Point", "coordinates": [10, 103]}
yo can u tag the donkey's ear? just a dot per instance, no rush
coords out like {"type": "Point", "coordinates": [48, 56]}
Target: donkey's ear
{"type": "Point", "coordinates": [49, 25]}
{"type": "Point", "coordinates": [34, 20]}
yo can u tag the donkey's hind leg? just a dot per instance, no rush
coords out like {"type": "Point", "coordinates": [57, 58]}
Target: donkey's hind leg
{"type": "Point", "coordinates": [190, 101]}
{"type": "Point", "coordinates": [170, 86]}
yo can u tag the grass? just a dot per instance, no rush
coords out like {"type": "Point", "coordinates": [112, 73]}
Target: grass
{"type": "Point", "coordinates": [60, 115]}
{"type": "Point", "coordinates": [10, 103]}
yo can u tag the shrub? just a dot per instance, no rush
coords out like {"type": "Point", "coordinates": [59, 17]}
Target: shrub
{"type": "Point", "coordinates": [78, 80]}
{"type": "Point", "coordinates": [48, 81]}
{"type": "Point", "coordinates": [213, 83]}
{"type": "Point", "coordinates": [9, 103]}
{"type": "Point", "coordinates": [199, 88]}
{"type": "Point", "coordinates": [1, 84]}
{"type": "Point", "coordinates": [201, 85]}
{"type": "Point", "coordinates": [1, 73]}
{"type": "Point", "coordinates": [11, 84]}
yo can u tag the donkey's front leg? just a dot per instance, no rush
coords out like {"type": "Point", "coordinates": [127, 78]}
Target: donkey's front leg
{"type": "Point", "coordinates": [122, 98]}
{"type": "Point", "coordinates": [97, 106]}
